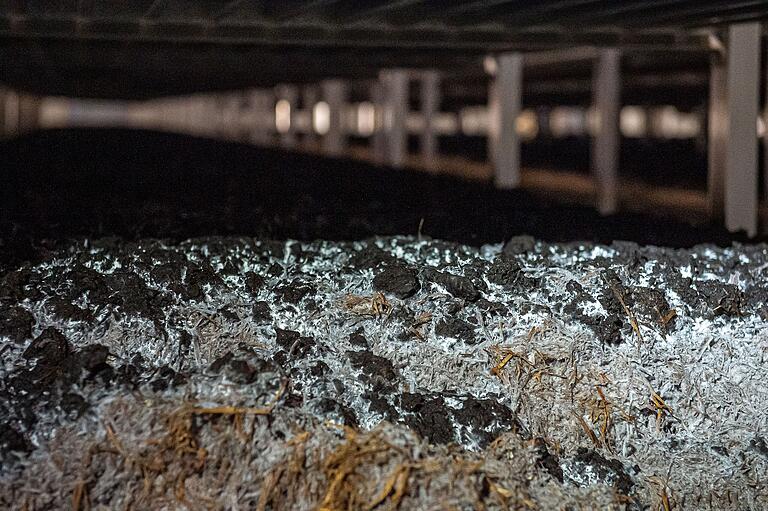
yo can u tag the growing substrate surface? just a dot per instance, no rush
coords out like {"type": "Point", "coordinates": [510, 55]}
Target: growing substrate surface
{"type": "Point", "coordinates": [239, 373]}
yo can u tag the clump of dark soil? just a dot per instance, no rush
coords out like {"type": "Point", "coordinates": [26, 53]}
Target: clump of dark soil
{"type": "Point", "coordinates": [400, 281]}
{"type": "Point", "coordinates": [505, 271]}
{"type": "Point", "coordinates": [48, 348]}
{"type": "Point", "coordinates": [609, 471]}
{"type": "Point", "coordinates": [429, 417]}
{"type": "Point", "coordinates": [11, 441]}
{"type": "Point", "coordinates": [294, 343]}
{"type": "Point", "coordinates": [719, 298]}
{"type": "Point", "coordinates": [485, 419]}
{"type": "Point", "coordinates": [651, 306]}
{"type": "Point", "coordinates": [457, 285]}
{"type": "Point", "coordinates": [260, 312]}
{"type": "Point", "coordinates": [377, 370]}
{"type": "Point", "coordinates": [254, 282]}
{"type": "Point", "coordinates": [357, 339]}
{"type": "Point", "coordinates": [295, 291]}
{"type": "Point", "coordinates": [519, 245]}
{"type": "Point", "coordinates": [548, 461]}
{"type": "Point", "coordinates": [372, 257]}
{"type": "Point", "coordinates": [53, 369]}
{"type": "Point", "coordinates": [241, 369]}
{"type": "Point", "coordinates": [15, 323]}
{"type": "Point", "coordinates": [456, 328]}
{"type": "Point", "coordinates": [479, 421]}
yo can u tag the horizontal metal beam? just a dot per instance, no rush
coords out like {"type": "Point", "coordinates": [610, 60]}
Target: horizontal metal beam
{"type": "Point", "coordinates": [405, 38]}
{"type": "Point", "coordinates": [468, 17]}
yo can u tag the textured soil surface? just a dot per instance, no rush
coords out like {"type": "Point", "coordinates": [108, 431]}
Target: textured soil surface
{"type": "Point", "coordinates": [233, 373]}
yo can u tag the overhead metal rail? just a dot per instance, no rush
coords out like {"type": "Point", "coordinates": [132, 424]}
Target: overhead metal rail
{"type": "Point", "coordinates": [490, 25]}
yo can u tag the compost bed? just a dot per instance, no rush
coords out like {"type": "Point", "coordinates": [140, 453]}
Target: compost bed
{"type": "Point", "coordinates": [248, 372]}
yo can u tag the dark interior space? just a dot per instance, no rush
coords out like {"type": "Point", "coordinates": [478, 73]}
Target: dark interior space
{"type": "Point", "coordinates": [675, 163]}
{"type": "Point", "coordinates": [135, 184]}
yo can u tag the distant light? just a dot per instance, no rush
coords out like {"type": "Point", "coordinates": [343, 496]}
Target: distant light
{"type": "Point", "coordinates": [665, 122]}
{"type": "Point", "coordinates": [668, 122]}
{"type": "Point", "coordinates": [592, 121]}
{"type": "Point", "coordinates": [761, 131]}
{"type": "Point", "coordinates": [633, 122]}
{"type": "Point", "coordinates": [54, 112]}
{"type": "Point", "coordinates": [283, 116]}
{"type": "Point", "coordinates": [715, 44]}
{"type": "Point", "coordinates": [490, 65]}
{"type": "Point", "coordinates": [321, 118]}
{"type": "Point", "coordinates": [446, 123]}
{"type": "Point", "coordinates": [11, 111]}
{"type": "Point", "coordinates": [415, 122]}
{"type": "Point", "coordinates": [366, 119]}
{"type": "Point", "coordinates": [565, 121]}
{"type": "Point", "coordinates": [527, 124]}
{"type": "Point", "coordinates": [478, 121]}
{"type": "Point", "coordinates": [688, 125]}
{"type": "Point", "coordinates": [474, 120]}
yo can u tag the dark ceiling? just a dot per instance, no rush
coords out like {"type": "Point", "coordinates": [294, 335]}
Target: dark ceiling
{"type": "Point", "coordinates": [118, 48]}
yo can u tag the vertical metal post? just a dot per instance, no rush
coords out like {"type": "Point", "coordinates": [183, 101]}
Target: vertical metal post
{"type": "Point", "coordinates": [606, 89]}
{"type": "Point", "coordinates": [219, 107]}
{"type": "Point", "coordinates": [395, 115]}
{"type": "Point", "coordinates": [309, 98]}
{"type": "Point", "coordinates": [202, 122]}
{"type": "Point", "coordinates": [285, 114]}
{"type": "Point", "coordinates": [29, 113]}
{"type": "Point", "coordinates": [741, 174]}
{"type": "Point", "coordinates": [3, 126]}
{"type": "Point", "coordinates": [230, 115]}
{"type": "Point", "coordinates": [2, 112]}
{"type": "Point", "coordinates": [379, 136]}
{"type": "Point", "coordinates": [335, 96]}
{"type": "Point", "coordinates": [765, 151]}
{"type": "Point", "coordinates": [717, 125]}
{"type": "Point", "coordinates": [430, 106]}
{"type": "Point", "coordinates": [504, 105]}
{"type": "Point", "coordinates": [11, 113]}
{"type": "Point", "coordinates": [262, 116]}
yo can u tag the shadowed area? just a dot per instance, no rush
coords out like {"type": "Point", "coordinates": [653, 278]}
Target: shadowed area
{"type": "Point", "coordinates": [131, 184]}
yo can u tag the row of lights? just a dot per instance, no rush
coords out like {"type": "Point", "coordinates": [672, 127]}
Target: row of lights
{"type": "Point", "coordinates": [361, 117]}
{"type": "Point", "coordinates": [364, 118]}
{"type": "Point", "coordinates": [665, 122]}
